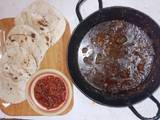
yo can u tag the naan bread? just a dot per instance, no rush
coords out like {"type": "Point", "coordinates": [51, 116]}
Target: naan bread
{"type": "Point", "coordinates": [10, 92]}
{"type": "Point", "coordinates": [45, 19]}
{"type": "Point", "coordinates": [26, 37]}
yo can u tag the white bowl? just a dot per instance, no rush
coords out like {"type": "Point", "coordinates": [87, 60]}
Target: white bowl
{"type": "Point", "coordinates": [35, 104]}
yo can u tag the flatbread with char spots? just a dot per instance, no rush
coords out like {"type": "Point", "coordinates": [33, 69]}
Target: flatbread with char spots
{"type": "Point", "coordinates": [45, 19]}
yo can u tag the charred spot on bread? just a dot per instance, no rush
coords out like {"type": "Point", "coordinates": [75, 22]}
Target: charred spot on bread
{"type": "Point", "coordinates": [25, 62]}
{"type": "Point", "coordinates": [41, 28]}
{"type": "Point", "coordinates": [42, 23]}
{"type": "Point", "coordinates": [25, 38]}
{"type": "Point", "coordinates": [21, 41]}
{"type": "Point", "coordinates": [15, 78]}
{"type": "Point", "coordinates": [47, 44]}
{"type": "Point", "coordinates": [10, 74]}
{"type": "Point", "coordinates": [32, 40]}
{"type": "Point", "coordinates": [9, 37]}
{"type": "Point", "coordinates": [47, 38]}
{"type": "Point", "coordinates": [33, 35]}
{"type": "Point", "coordinates": [12, 40]}
{"type": "Point", "coordinates": [6, 68]}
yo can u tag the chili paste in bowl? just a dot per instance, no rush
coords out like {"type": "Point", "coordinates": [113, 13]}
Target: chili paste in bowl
{"type": "Point", "coordinates": [49, 92]}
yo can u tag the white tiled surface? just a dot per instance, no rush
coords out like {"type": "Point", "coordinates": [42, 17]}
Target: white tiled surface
{"type": "Point", "coordinates": [85, 109]}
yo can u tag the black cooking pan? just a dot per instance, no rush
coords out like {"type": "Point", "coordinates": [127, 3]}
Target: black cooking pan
{"type": "Point", "coordinates": [147, 87]}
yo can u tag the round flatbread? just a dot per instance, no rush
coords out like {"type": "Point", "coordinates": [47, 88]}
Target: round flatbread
{"type": "Point", "coordinates": [18, 64]}
{"type": "Point", "coordinates": [16, 74]}
{"type": "Point", "coordinates": [10, 92]}
{"type": "Point", "coordinates": [45, 19]}
{"type": "Point", "coordinates": [24, 36]}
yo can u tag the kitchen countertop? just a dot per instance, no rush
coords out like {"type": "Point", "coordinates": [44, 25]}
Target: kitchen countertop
{"type": "Point", "coordinates": [85, 109]}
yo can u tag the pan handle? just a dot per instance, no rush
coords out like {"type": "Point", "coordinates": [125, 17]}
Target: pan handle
{"type": "Point", "coordinates": [80, 2]}
{"type": "Point", "coordinates": [144, 118]}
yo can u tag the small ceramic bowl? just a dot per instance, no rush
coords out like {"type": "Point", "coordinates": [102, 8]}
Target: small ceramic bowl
{"type": "Point", "coordinates": [35, 105]}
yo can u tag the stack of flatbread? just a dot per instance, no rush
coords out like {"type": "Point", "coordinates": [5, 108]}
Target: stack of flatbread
{"type": "Point", "coordinates": [37, 28]}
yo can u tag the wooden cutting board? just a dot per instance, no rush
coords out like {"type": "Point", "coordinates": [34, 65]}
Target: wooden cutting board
{"type": "Point", "coordinates": [55, 58]}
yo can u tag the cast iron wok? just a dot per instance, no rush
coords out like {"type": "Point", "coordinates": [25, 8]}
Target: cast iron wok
{"type": "Point", "coordinates": [141, 92]}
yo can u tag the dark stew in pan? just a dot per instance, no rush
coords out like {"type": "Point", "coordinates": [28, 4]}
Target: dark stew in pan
{"type": "Point", "coordinates": [115, 56]}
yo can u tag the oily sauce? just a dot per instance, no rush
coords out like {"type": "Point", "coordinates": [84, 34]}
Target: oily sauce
{"type": "Point", "coordinates": [50, 91]}
{"type": "Point", "coordinates": [115, 56]}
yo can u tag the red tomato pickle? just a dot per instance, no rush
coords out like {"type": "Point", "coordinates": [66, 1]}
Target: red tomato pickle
{"type": "Point", "coordinates": [50, 91]}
